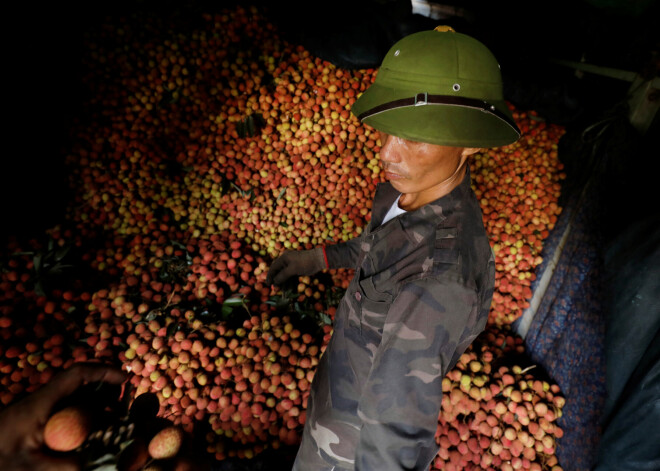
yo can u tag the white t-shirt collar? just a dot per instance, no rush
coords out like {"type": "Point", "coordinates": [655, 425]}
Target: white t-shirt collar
{"type": "Point", "coordinates": [394, 211]}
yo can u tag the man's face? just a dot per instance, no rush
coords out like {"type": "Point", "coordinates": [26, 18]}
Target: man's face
{"type": "Point", "coordinates": [419, 169]}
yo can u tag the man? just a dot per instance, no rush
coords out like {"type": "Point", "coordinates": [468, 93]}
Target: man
{"type": "Point", "coordinates": [424, 270]}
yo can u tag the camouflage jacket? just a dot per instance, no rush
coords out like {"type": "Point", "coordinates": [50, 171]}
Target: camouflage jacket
{"type": "Point", "coordinates": [421, 293]}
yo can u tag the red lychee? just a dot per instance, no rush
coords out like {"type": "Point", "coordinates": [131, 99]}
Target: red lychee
{"type": "Point", "coordinates": [67, 429]}
{"type": "Point", "coordinates": [166, 443]}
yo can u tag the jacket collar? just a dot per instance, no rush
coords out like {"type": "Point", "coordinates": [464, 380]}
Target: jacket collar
{"type": "Point", "coordinates": [432, 213]}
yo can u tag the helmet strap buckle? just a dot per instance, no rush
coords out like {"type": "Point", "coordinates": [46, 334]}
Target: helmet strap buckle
{"type": "Point", "coordinates": [422, 99]}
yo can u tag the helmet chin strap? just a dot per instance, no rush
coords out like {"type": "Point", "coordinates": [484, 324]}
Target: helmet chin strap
{"type": "Point", "coordinates": [449, 180]}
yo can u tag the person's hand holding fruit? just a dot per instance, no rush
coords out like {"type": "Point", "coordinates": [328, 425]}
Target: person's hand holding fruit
{"type": "Point", "coordinates": [23, 431]}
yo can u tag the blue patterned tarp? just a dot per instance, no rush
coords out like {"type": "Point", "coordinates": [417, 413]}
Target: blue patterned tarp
{"type": "Point", "coordinates": [566, 335]}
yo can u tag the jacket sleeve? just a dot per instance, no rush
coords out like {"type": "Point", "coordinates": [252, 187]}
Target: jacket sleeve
{"type": "Point", "coordinates": [344, 254]}
{"type": "Point", "coordinates": [426, 325]}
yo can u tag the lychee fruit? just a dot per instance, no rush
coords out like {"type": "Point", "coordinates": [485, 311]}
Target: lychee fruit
{"type": "Point", "coordinates": [166, 443]}
{"type": "Point", "coordinates": [67, 429]}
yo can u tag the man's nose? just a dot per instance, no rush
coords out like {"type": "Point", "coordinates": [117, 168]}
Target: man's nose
{"type": "Point", "coordinates": [389, 149]}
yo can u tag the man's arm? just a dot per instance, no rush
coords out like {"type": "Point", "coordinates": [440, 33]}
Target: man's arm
{"type": "Point", "coordinates": [428, 321]}
{"type": "Point", "coordinates": [344, 254]}
{"type": "Point", "coordinates": [308, 262]}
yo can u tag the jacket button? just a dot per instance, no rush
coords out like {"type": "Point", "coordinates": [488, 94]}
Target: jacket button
{"type": "Point", "coordinates": [358, 296]}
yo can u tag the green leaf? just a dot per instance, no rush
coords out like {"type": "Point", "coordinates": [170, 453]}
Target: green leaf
{"type": "Point", "coordinates": [58, 269]}
{"type": "Point", "coordinates": [178, 245]}
{"type": "Point", "coordinates": [125, 444]}
{"type": "Point", "coordinates": [251, 128]}
{"type": "Point", "coordinates": [172, 328]}
{"type": "Point", "coordinates": [325, 318]}
{"type": "Point", "coordinates": [282, 193]}
{"type": "Point", "coordinates": [62, 266]}
{"type": "Point", "coordinates": [105, 467]}
{"type": "Point", "coordinates": [18, 254]}
{"type": "Point", "coordinates": [226, 311]}
{"type": "Point", "coordinates": [61, 252]}
{"type": "Point", "coordinates": [234, 301]}
{"type": "Point", "coordinates": [36, 260]}
{"type": "Point", "coordinates": [240, 129]}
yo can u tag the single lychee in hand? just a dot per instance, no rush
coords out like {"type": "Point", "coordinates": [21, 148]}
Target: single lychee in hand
{"type": "Point", "coordinates": [67, 429]}
{"type": "Point", "coordinates": [166, 443]}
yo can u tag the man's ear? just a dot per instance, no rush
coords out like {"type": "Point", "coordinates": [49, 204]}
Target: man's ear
{"type": "Point", "coordinates": [467, 151]}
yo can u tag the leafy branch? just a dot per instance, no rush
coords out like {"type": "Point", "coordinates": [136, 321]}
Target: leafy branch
{"type": "Point", "coordinates": [48, 264]}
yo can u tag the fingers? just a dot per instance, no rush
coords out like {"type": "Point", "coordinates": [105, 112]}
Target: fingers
{"type": "Point", "coordinates": [295, 263]}
{"type": "Point", "coordinates": [37, 461]}
{"type": "Point", "coordinates": [190, 464]}
{"type": "Point", "coordinates": [280, 265]}
{"type": "Point", "coordinates": [68, 381]}
{"type": "Point", "coordinates": [82, 373]}
{"type": "Point", "coordinates": [284, 274]}
{"type": "Point", "coordinates": [48, 463]}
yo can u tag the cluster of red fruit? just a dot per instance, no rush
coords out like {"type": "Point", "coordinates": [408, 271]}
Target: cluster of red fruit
{"type": "Point", "coordinates": [496, 414]}
{"type": "Point", "coordinates": [206, 153]}
{"type": "Point", "coordinates": [518, 186]}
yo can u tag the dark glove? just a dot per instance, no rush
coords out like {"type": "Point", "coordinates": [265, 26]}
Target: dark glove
{"type": "Point", "coordinates": [295, 263]}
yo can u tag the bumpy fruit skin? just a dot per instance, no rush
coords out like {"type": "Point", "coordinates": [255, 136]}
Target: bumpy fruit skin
{"type": "Point", "coordinates": [166, 443]}
{"type": "Point", "coordinates": [67, 429]}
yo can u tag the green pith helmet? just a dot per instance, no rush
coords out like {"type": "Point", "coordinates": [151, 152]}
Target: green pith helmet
{"type": "Point", "coordinates": [440, 87]}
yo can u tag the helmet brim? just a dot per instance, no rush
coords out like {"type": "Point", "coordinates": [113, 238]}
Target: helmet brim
{"type": "Point", "coordinates": [442, 124]}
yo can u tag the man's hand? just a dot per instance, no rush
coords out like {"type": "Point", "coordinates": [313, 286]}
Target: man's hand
{"type": "Point", "coordinates": [22, 424]}
{"type": "Point", "coordinates": [295, 263]}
